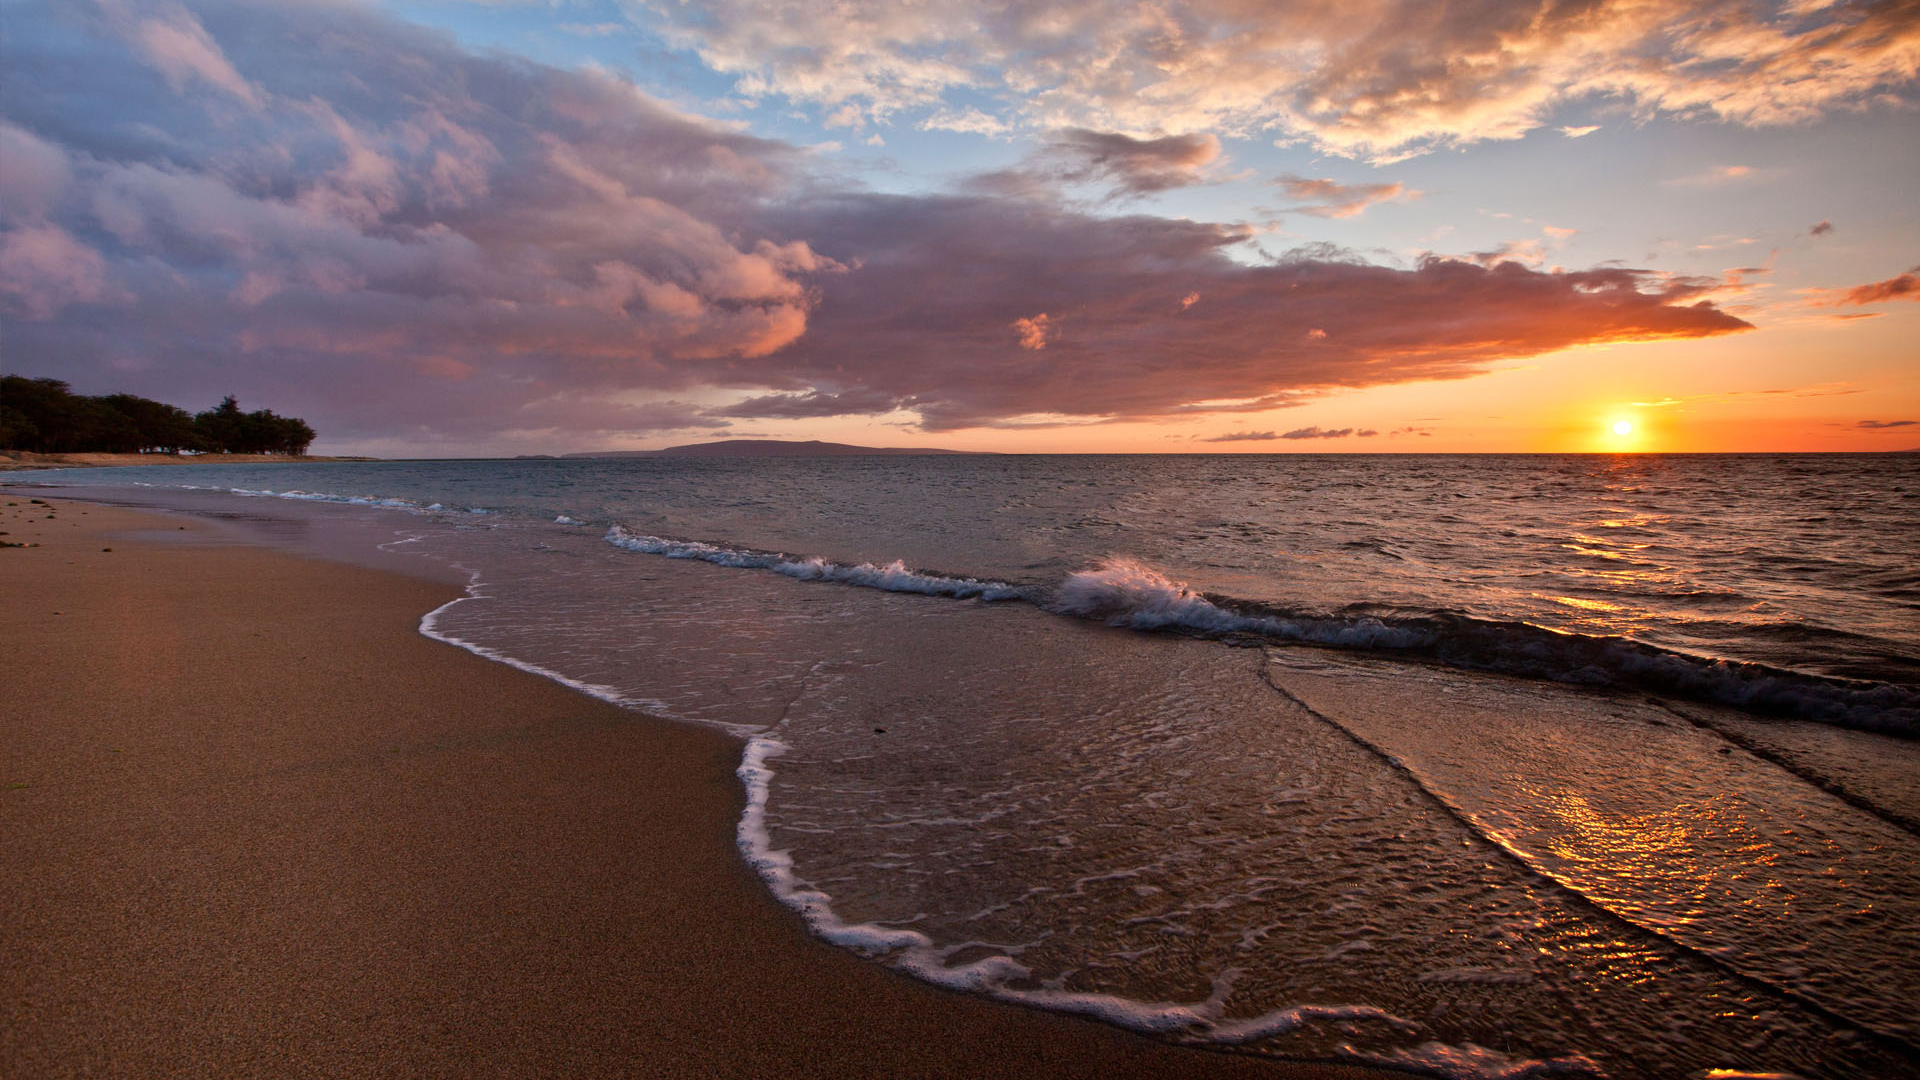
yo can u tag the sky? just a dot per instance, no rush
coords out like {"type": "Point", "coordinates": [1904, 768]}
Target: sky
{"type": "Point", "coordinates": [464, 228]}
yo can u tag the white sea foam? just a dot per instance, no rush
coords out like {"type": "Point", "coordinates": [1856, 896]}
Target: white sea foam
{"type": "Point", "coordinates": [893, 577]}
{"type": "Point", "coordinates": [430, 627]}
{"type": "Point", "coordinates": [325, 497]}
{"type": "Point", "coordinates": [1127, 592]}
{"type": "Point", "coordinates": [995, 975]}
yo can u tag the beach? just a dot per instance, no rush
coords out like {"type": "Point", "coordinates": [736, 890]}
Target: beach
{"type": "Point", "coordinates": [256, 824]}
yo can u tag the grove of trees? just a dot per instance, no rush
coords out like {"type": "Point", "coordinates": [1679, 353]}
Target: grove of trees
{"type": "Point", "coordinates": [45, 416]}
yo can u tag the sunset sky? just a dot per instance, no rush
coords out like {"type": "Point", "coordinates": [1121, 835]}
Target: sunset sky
{"type": "Point", "coordinates": [446, 228]}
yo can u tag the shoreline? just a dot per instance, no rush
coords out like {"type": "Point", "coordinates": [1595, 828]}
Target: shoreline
{"type": "Point", "coordinates": [261, 824]}
{"type": "Point", "coordinates": [27, 460]}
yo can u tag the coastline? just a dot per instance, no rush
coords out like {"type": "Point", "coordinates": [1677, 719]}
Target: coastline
{"type": "Point", "coordinates": [259, 824]}
{"type": "Point", "coordinates": [24, 460]}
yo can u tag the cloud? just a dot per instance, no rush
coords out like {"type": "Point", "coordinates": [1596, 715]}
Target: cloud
{"type": "Point", "coordinates": [1134, 166]}
{"type": "Point", "coordinates": [43, 269]}
{"type": "Point", "coordinates": [967, 121]}
{"type": "Point", "coordinates": [1371, 78]}
{"type": "Point", "coordinates": [388, 198]}
{"type": "Point", "coordinates": [405, 241]}
{"type": "Point", "coordinates": [987, 262]}
{"type": "Point", "coordinates": [1530, 252]}
{"type": "Point", "coordinates": [1579, 132]}
{"type": "Point", "coordinates": [1318, 433]}
{"type": "Point", "coordinates": [1032, 331]}
{"type": "Point", "coordinates": [1330, 199]}
{"type": "Point", "coordinates": [1878, 425]}
{"type": "Point", "coordinates": [1243, 436]}
{"type": "Point", "coordinates": [1125, 166]}
{"type": "Point", "coordinates": [178, 46]}
{"type": "Point", "coordinates": [1899, 287]}
{"type": "Point", "coordinates": [1822, 229]}
{"type": "Point", "coordinates": [1717, 176]}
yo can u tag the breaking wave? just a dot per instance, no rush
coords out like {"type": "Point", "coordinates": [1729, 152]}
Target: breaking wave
{"type": "Point", "coordinates": [1127, 592]}
{"type": "Point", "coordinates": [893, 577]}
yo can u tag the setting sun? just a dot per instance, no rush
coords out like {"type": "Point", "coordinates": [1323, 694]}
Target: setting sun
{"type": "Point", "coordinates": [1623, 427]}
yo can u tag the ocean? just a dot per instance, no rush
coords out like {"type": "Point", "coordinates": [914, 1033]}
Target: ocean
{"type": "Point", "coordinates": [1474, 766]}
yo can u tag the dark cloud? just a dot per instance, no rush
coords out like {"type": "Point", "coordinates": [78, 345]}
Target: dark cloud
{"type": "Point", "coordinates": [1821, 229]}
{"type": "Point", "coordinates": [1876, 425]}
{"type": "Point", "coordinates": [1330, 199]}
{"type": "Point", "coordinates": [1243, 436]}
{"type": "Point", "coordinates": [320, 202]}
{"type": "Point", "coordinates": [1531, 252]}
{"type": "Point", "coordinates": [1318, 433]}
{"type": "Point", "coordinates": [335, 214]}
{"type": "Point", "coordinates": [1136, 166]}
{"type": "Point", "coordinates": [1121, 343]}
{"type": "Point", "coordinates": [1900, 287]}
{"type": "Point", "coordinates": [1122, 164]}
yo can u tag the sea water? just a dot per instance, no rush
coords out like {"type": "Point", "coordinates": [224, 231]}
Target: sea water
{"type": "Point", "coordinates": [1478, 766]}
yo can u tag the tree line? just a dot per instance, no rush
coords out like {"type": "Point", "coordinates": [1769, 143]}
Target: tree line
{"type": "Point", "coordinates": [45, 416]}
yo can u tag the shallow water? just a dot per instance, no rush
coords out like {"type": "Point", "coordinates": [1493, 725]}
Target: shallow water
{"type": "Point", "coordinates": [1478, 766]}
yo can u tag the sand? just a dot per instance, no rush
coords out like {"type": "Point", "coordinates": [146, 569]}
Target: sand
{"type": "Point", "coordinates": [253, 824]}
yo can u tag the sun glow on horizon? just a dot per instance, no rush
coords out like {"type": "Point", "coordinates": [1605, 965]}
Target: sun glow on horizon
{"type": "Point", "coordinates": [1623, 427]}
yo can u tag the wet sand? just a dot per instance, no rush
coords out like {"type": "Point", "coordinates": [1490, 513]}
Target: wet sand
{"type": "Point", "coordinates": [254, 824]}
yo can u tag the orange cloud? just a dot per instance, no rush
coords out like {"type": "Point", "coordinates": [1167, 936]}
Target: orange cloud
{"type": "Point", "coordinates": [1032, 331]}
{"type": "Point", "coordinates": [1899, 287]}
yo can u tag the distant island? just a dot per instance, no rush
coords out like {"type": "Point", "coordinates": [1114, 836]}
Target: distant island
{"type": "Point", "coordinates": [731, 448]}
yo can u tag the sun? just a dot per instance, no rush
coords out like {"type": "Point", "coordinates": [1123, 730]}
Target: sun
{"type": "Point", "coordinates": [1623, 427]}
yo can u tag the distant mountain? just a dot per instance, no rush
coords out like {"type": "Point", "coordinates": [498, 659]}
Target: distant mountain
{"type": "Point", "coordinates": [757, 448]}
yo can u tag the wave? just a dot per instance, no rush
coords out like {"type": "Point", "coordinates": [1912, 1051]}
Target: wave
{"type": "Point", "coordinates": [999, 975]}
{"type": "Point", "coordinates": [893, 577]}
{"type": "Point", "coordinates": [1127, 592]}
{"type": "Point", "coordinates": [376, 501]}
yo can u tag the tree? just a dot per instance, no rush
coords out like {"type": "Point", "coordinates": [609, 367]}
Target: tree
{"type": "Point", "coordinates": [219, 428]}
{"type": "Point", "coordinates": [46, 416]}
{"type": "Point", "coordinates": [164, 428]}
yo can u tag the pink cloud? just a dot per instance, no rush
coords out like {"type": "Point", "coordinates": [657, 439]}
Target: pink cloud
{"type": "Point", "coordinates": [176, 44]}
{"type": "Point", "coordinates": [405, 237]}
{"type": "Point", "coordinates": [42, 270]}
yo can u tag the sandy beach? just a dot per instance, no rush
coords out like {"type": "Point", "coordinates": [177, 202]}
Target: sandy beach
{"type": "Point", "coordinates": [256, 825]}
